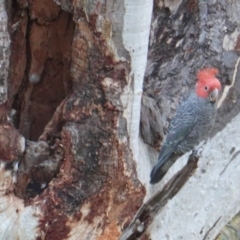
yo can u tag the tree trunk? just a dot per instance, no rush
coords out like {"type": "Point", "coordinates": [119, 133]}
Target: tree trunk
{"type": "Point", "coordinates": [74, 164]}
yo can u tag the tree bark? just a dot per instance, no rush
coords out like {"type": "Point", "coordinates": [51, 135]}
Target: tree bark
{"type": "Point", "coordinates": [185, 37]}
{"type": "Point", "coordinates": [76, 80]}
{"type": "Point", "coordinates": [74, 93]}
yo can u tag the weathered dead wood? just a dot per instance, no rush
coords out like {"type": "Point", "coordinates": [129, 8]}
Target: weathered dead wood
{"type": "Point", "coordinates": [84, 164]}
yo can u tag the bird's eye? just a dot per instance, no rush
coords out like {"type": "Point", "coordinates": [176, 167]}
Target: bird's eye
{"type": "Point", "coordinates": [206, 88]}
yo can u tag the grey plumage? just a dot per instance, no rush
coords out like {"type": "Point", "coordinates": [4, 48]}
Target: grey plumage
{"type": "Point", "coordinates": [191, 124]}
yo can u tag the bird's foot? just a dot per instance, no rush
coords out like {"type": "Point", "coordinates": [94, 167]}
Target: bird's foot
{"type": "Point", "coordinates": [197, 152]}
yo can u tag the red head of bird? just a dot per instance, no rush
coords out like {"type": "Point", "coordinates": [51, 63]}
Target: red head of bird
{"type": "Point", "coordinates": [208, 86]}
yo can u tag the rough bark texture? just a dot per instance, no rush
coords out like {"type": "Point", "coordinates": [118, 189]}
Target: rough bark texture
{"type": "Point", "coordinates": [186, 36]}
{"type": "Point", "coordinates": [69, 82]}
{"type": "Point", "coordinates": [5, 55]}
{"type": "Point", "coordinates": [73, 164]}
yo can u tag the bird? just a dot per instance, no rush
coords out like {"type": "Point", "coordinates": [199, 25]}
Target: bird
{"type": "Point", "coordinates": [192, 123]}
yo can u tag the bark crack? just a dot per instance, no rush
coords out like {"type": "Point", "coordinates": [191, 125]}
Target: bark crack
{"type": "Point", "coordinates": [213, 226]}
{"type": "Point", "coordinates": [233, 157]}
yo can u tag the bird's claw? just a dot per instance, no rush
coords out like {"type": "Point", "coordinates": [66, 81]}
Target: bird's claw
{"type": "Point", "coordinates": [198, 152]}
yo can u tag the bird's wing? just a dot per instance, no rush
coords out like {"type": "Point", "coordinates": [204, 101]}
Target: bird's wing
{"type": "Point", "coordinates": [180, 128]}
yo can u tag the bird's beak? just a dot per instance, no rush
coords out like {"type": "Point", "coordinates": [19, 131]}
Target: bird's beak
{"type": "Point", "coordinates": [214, 95]}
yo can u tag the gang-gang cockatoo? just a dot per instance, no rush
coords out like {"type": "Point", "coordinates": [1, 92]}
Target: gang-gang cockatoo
{"type": "Point", "coordinates": [192, 123]}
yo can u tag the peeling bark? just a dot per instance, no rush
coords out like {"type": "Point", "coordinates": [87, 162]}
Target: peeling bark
{"type": "Point", "coordinates": [72, 160]}
{"type": "Point", "coordinates": [79, 179]}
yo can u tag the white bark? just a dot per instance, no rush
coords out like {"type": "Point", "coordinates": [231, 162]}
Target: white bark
{"type": "Point", "coordinates": [135, 38]}
{"type": "Point", "coordinates": [17, 221]}
{"type": "Point", "coordinates": [211, 196]}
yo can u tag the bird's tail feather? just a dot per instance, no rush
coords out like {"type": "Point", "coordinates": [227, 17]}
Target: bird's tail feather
{"type": "Point", "coordinates": [161, 168]}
